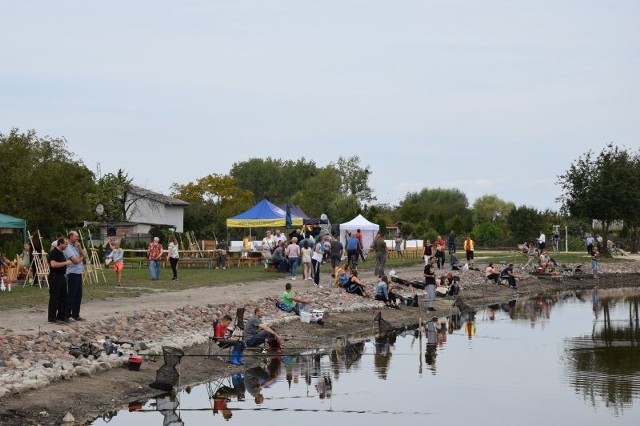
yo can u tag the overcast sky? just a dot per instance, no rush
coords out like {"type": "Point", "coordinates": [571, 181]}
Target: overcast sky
{"type": "Point", "coordinates": [489, 97]}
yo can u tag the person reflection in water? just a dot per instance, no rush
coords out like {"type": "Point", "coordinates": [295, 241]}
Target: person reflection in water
{"type": "Point", "coordinates": [323, 386]}
{"type": "Point", "coordinates": [595, 302]}
{"type": "Point", "coordinates": [431, 329]}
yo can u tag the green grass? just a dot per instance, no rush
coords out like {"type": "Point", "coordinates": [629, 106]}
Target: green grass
{"type": "Point", "coordinates": [137, 281]}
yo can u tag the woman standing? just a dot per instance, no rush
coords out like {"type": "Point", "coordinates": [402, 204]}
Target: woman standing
{"type": "Point", "coordinates": [306, 260]}
{"type": "Point", "coordinates": [174, 256]}
{"type": "Point", "coordinates": [292, 252]}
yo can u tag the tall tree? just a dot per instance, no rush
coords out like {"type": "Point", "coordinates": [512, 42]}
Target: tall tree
{"type": "Point", "coordinates": [490, 208]}
{"type": "Point", "coordinates": [525, 223]}
{"type": "Point", "coordinates": [273, 179]}
{"type": "Point", "coordinates": [605, 187]}
{"type": "Point", "coordinates": [111, 192]}
{"type": "Point", "coordinates": [434, 207]}
{"type": "Point", "coordinates": [212, 200]}
{"type": "Point", "coordinates": [355, 178]}
{"type": "Point", "coordinates": [43, 182]}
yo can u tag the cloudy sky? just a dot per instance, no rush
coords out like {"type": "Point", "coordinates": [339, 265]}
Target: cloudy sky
{"type": "Point", "coordinates": [490, 97]}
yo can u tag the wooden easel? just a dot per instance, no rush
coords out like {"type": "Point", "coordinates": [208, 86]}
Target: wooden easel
{"type": "Point", "coordinates": [39, 260]}
{"type": "Point", "coordinates": [93, 265]}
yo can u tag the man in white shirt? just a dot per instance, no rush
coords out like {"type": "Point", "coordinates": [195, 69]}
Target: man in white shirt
{"type": "Point", "coordinates": [541, 241]}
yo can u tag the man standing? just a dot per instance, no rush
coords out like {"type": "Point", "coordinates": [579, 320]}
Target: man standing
{"type": "Point", "coordinates": [542, 241]}
{"type": "Point", "coordinates": [58, 282]}
{"type": "Point", "coordinates": [335, 253]}
{"type": "Point", "coordinates": [430, 283]}
{"type": "Point", "coordinates": [76, 254]}
{"type": "Point", "coordinates": [469, 248]}
{"type": "Point", "coordinates": [380, 247]}
{"type": "Point", "coordinates": [279, 237]}
{"type": "Point", "coordinates": [451, 242]}
{"type": "Point", "coordinates": [589, 242]}
{"type": "Point", "coordinates": [352, 250]}
{"type": "Point", "coordinates": [154, 253]}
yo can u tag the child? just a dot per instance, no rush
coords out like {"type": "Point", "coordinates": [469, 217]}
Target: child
{"type": "Point", "coordinates": [290, 303]}
{"type": "Point", "coordinates": [594, 262]}
{"type": "Point", "coordinates": [221, 335]}
{"type": "Point", "coordinates": [117, 258]}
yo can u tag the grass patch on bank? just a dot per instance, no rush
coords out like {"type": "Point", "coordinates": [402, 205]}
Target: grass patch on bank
{"type": "Point", "coordinates": [137, 281]}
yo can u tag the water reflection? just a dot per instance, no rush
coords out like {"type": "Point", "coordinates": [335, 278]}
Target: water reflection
{"type": "Point", "coordinates": [605, 366]}
{"type": "Point", "coordinates": [546, 350]}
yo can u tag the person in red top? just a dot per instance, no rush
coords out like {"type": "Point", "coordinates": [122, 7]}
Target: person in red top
{"type": "Point", "coordinates": [440, 256]}
{"type": "Point", "coordinates": [221, 335]}
{"type": "Point", "coordinates": [154, 254]}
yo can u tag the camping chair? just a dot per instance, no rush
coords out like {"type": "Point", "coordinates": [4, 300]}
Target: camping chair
{"type": "Point", "coordinates": [216, 345]}
{"type": "Point", "coordinates": [237, 333]}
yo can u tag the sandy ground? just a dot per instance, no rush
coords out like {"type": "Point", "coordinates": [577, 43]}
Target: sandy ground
{"type": "Point", "coordinates": [90, 397]}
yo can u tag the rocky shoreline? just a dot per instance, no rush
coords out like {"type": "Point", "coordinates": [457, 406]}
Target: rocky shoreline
{"type": "Point", "coordinates": [32, 362]}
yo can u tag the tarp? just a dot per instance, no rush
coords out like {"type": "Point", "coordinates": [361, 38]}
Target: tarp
{"type": "Point", "coordinates": [263, 215]}
{"type": "Point", "coordinates": [11, 222]}
{"type": "Point", "coordinates": [296, 211]}
{"type": "Point", "coordinates": [368, 229]}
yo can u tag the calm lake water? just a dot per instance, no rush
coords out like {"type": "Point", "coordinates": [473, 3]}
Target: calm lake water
{"type": "Point", "coordinates": [558, 360]}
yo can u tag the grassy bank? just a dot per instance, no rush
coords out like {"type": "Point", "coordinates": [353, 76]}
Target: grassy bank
{"type": "Point", "coordinates": [137, 282]}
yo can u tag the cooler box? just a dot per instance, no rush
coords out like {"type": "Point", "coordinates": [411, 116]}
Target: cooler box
{"type": "Point", "coordinates": [135, 361]}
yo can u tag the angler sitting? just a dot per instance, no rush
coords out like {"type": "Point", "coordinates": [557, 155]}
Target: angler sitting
{"type": "Point", "coordinates": [290, 303]}
{"type": "Point", "coordinates": [507, 274]}
{"type": "Point", "coordinates": [384, 294]}
{"type": "Point", "coordinates": [221, 335]}
{"type": "Point", "coordinates": [256, 333]}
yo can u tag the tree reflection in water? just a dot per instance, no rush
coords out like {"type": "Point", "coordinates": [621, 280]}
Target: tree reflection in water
{"type": "Point", "coordinates": [606, 365]}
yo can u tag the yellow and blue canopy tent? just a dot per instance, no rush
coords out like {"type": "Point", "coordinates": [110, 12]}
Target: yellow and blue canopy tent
{"type": "Point", "coordinates": [264, 215]}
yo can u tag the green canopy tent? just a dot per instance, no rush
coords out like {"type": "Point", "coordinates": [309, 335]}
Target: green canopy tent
{"type": "Point", "coordinates": [10, 222]}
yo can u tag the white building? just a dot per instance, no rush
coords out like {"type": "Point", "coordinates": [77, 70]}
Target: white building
{"type": "Point", "coordinates": [147, 208]}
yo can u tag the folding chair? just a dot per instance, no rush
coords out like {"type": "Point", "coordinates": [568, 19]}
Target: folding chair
{"type": "Point", "coordinates": [215, 345]}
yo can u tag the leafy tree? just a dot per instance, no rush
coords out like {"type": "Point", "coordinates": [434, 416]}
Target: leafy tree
{"type": "Point", "coordinates": [111, 192]}
{"type": "Point", "coordinates": [43, 182]}
{"type": "Point", "coordinates": [273, 179]}
{"type": "Point", "coordinates": [605, 187]}
{"type": "Point", "coordinates": [316, 193]}
{"type": "Point", "coordinates": [487, 234]}
{"type": "Point", "coordinates": [490, 208]}
{"type": "Point", "coordinates": [524, 223]}
{"type": "Point", "coordinates": [434, 206]}
{"type": "Point", "coordinates": [212, 200]}
{"type": "Point", "coordinates": [355, 179]}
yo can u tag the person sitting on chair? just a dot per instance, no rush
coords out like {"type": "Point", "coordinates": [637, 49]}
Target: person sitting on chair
{"type": "Point", "coordinates": [384, 294]}
{"type": "Point", "coordinates": [491, 273]}
{"type": "Point", "coordinates": [256, 332]}
{"type": "Point", "coordinates": [221, 335]}
{"type": "Point", "coordinates": [507, 274]}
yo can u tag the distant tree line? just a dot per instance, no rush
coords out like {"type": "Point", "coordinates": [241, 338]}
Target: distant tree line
{"type": "Point", "coordinates": [48, 186]}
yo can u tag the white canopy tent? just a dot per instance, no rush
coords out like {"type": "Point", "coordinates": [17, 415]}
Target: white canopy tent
{"type": "Point", "coordinates": [368, 229]}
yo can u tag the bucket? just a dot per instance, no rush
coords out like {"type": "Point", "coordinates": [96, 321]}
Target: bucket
{"type": "Point", "coordinates": [305, 317]}
{"type": "Point", "coordinates": [135, 361]}
{"type": "Point", "coordinates": [317, 314]}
